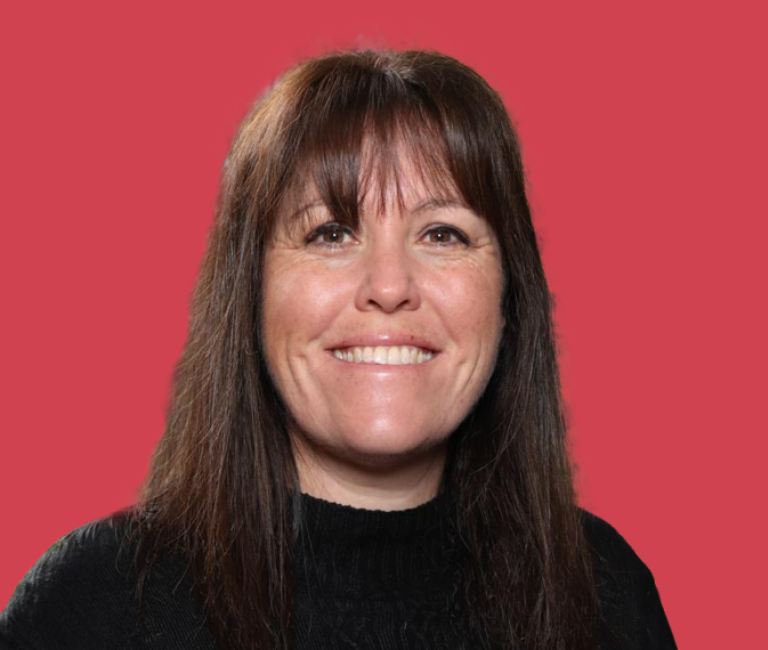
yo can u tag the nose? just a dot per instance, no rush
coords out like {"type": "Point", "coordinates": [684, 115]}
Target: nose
{"type": "Point", "coordinates": [388, 278]}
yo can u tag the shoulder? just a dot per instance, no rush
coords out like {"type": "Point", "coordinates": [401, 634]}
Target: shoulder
{"type": "Point", "coordinates": [629, 599]}
{"type": "Point", "coordinates": [83, 577]}
{"type": "Point", "coordinates": [82, 594]}
{"type": "Point", "coordinates": [609, 548]}
{"type": "Point", "coordinates": [93, 555]}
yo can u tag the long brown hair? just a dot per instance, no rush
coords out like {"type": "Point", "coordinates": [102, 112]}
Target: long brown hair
{"type": "Point", "coordinates": [220, 484]}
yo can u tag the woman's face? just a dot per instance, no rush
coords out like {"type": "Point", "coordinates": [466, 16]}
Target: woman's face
{"type": "Point", "coordinates": [427, 277]}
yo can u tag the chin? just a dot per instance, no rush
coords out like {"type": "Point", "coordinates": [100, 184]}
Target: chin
{"type": "Point", "coordinates": [388, 447]}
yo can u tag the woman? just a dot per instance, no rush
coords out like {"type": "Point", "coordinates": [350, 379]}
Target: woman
{"type": "Point", "coordinates": [365, 446]}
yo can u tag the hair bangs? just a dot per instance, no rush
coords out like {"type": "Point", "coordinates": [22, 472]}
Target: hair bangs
{"type": "Point", "coordinates": [363, 148]}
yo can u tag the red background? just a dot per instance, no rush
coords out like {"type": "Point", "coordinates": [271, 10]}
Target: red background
{"type": "Point", "coordinates": [644, 134]}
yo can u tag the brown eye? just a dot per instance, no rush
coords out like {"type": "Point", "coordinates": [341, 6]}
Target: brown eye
{"type": "Point", "coordinates": [330, 235]}
{"type": "Point", "coordinates": [442, 236]}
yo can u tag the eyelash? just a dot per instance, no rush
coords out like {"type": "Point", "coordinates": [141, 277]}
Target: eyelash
{"type": "Point", "coordinates": [333, 227]}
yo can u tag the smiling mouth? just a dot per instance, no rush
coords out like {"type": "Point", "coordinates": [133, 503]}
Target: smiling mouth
{"type": "Point", "coordinates": [400, 355]}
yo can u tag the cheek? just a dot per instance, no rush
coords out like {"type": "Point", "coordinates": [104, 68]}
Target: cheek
{"type": "Point", "coordinates": [298, 306]}
{"type": "Point", "coordinates": [472, 301]}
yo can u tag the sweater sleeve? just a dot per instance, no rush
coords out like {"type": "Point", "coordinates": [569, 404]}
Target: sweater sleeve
{"type": "Point", "coordinates": [629, 599]}
{"type": "Point", "coordinates": [77, 595]}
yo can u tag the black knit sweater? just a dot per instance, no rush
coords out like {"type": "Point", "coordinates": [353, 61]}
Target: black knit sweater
{"type": "Point", "coordinates": [364, 579]}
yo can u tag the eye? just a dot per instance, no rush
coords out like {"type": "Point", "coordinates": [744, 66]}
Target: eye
{"type": "Point", "coordinates": [441, 236]}
{"type": "Point", "coordinates": [329, 234]}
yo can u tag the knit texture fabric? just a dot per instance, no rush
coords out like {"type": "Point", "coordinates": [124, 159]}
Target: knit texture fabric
{"type": "Point", "coordinates": [363, 579]}
{"type": "Point", "coordinates": [379, 580]}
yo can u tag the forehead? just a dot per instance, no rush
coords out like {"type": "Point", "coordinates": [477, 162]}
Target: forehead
{"type": "Point", "coordinates": [398, 180]}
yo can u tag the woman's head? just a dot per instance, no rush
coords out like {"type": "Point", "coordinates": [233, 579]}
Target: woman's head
{"type": "Point", "coordinates": [395, 156]}
{"type": "Point", "coordinates": [386, 146]}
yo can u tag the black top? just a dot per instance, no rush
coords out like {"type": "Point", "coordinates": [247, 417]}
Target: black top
{"type": "Point", "coordinates": [364, 579]}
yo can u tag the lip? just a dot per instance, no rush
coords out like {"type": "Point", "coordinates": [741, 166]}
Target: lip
{"type": "Point", "coordinates": [385, 339]}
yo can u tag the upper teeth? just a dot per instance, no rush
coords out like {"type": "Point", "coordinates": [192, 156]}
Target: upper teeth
{"type": "Point", "coordinates": [399, 355]}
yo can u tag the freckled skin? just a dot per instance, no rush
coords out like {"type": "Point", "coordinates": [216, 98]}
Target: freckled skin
{"type": "Point", "coordinates": [376, 437]}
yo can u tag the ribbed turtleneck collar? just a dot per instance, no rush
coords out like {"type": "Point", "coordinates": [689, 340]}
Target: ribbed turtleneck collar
{"type": "Point", "coordinates": [359, 553]}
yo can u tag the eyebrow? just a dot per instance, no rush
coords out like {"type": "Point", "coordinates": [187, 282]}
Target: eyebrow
{"type": "Point", "coordinates": [438, 202]}
{"type": "Point", "coordinates": [313, 204]}
{"type": "Point", "coordinates": [433, 203]}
